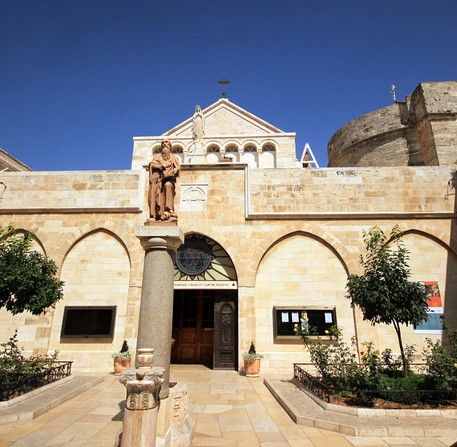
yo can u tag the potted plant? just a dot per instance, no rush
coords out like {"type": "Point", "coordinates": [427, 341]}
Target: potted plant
{"type": "Point", "coordinates": [122, 359]}
{"type": "Point", "coordinates": [252, 362]}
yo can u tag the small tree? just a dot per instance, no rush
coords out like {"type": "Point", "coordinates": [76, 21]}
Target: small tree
{"type": "Point", "coordinates": [27, 278]}
{"type": "Point", "coordinates": [384, 293]}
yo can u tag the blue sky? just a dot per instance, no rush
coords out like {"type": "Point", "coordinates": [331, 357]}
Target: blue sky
{"type": "Point", "coordinates": [79, 79]}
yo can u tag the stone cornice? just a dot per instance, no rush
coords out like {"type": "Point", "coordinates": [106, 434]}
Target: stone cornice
{"type": "Point", "coordinates": [220, 137]}
{"type": "Point", "coordinates": [351, 216]}
{"type": "Point", "coordinates": [73, 210]}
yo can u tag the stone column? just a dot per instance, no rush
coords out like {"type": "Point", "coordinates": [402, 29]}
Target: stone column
{"type": "Point", "coordinates": [156, 311]}
{"type": "Point", "coordinates": [141, 407]}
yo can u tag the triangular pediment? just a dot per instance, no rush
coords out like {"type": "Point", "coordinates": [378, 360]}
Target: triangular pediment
{"type": "Point", "coordinates": [225, 118]}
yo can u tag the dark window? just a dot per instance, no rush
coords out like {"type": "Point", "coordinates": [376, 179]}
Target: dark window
{"type": "Point", "coordinates": [318, 320]}
{"type": "Point", "coordinates": [88, 322]}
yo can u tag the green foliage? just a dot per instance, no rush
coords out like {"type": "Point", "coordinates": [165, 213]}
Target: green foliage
{"type": "Point", "coordinates": [27, 278]}
{"type": "Point", "coordinates": [396, 382]}
{"type": "Point", "coordinates": [384, 292]}
{"type": "Point", "coordinates": [124, 353]}
{"type": "Point", "coordinates": [441, 360]}
{"type": "Point", "coordinates": [251, 355]}
{"type": "Point", "coordinates": [337, 364]}
{"type": "Point", "coordinates": [14, 366]}
{"type": "Point", "coordinates": [333, 358]}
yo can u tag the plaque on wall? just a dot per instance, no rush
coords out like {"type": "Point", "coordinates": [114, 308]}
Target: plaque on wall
{"type": "Point", "coordinates": [194, 257]}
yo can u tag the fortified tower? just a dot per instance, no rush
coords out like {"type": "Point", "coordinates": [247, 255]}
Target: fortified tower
{"type": "Point", "coordinates": [422, 131]}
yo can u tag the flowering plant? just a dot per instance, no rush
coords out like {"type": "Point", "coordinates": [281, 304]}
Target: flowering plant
{"type": "Point", "coordinates": [14, 366]}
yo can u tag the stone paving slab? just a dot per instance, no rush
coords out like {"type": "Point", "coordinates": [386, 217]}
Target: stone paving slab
{"type": "Point", "coordinates": [94, 418]}
{"type": "Point", "coordinates": [305, 411]}
{"type": "Point", "coordinates": [38, 404]}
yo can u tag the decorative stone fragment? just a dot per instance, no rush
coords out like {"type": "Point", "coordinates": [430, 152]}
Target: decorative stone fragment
{"type": "Point", "coordinates": [145, 358]}
{"type": "Point", "coordinates": [142, 388]}
{"type": "Point", "coordinates": [140, 415]}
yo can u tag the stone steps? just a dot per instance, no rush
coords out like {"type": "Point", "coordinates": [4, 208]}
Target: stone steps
{"type": "Point", "coordinates": [36, 404]}
{"type": "Point", "coordinates": [305, 411]}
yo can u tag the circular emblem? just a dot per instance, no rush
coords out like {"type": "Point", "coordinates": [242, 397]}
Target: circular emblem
{"type": "Point", "coordinates": [193, 257]}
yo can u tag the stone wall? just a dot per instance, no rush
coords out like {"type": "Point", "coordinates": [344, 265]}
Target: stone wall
{"type": "Point", "coordinates": [350, 190]}
{"type": "Point", "coordinates": [292, 235]}
{"type": "Point", "coordinates": [421, 131]}
{"type": "Point", "coordinates": [68, 210]}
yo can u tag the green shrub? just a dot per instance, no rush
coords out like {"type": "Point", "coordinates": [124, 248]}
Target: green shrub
{"type": "Point", "coordinates": [14, 367]}
{"type": "Point", "coordinates": [441, 361]}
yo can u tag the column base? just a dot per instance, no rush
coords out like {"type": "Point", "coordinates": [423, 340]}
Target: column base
{"type": "Point", "coordinates": [139, 428]}
{"type": "Point", "coordinates": [174, 426]}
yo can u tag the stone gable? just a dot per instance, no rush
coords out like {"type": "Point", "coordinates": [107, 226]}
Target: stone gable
{"type": "Point", "coordinates": [225, 118]}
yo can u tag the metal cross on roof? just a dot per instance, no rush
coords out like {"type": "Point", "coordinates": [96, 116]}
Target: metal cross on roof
{"type": "Point", "coordinates": [223, 82]}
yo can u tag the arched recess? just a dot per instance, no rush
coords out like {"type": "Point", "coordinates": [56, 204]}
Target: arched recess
{"type": "Point", "coordinates": [297, 271]}
{"type": "Point", "coordinates": [432, 260]}
{"type": "Point", "coordinates": [205, 309]}
{"type": "Point", "coordinates": [213, 154]}
{"type": "Point", "coordinates": [124, 237]}
{"type": "Point", "coordinates": [37, 245]}
{"type": "Point", "coordinates": [231, 151]}
{"type": "Point", "coordinates": [201, 258]}
{"type": "Point", "coordinates": [96, 272]}
{"type": "Point", "coordinates": [268, 155]}
{"type": "Point", "coordinates": [348, 260]}
{"type": "Point", "coordinates": [250, 155]}
{"type": "Point", "coordinates": [179, 152]}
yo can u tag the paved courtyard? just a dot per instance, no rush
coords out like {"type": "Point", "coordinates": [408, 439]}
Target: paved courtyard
{"type": "Point", "coordinates": [228, 409]}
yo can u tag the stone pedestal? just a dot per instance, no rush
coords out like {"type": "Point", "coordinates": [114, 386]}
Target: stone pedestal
{"type": "Point", "coordinates": [196, 154]}
{"type": "Point", "coordinates": [156, 310]}
{"type": "Point", "coordinates": [175, 428]}
{"type": "Point", "coordinates": [141, 407]}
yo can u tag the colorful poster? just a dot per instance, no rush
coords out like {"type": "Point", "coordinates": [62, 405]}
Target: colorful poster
{"type": "Point", "coordinates": [434, 323]}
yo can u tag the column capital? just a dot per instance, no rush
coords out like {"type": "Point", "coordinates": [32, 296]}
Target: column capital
{"type": "Point", "coordinates": [142, 389]}
{"type": "Point", "coordinates": [160, 237]}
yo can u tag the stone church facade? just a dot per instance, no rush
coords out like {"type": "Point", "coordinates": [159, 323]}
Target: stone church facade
{"type": "Point", "coordinates": [267, 241]}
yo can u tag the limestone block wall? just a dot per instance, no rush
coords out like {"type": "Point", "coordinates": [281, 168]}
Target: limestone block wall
{"type": "Point", "coordinates": [420, 131]}
{"type": "Point", "coordinates": [96, 271]}
{"type": "Point", "coordinates": [292, 234]}
{"type": "Point", "coordinates": [94, 247]}
{"type": "Point", "coordinates": [70, 189]}
{"type": "Point", "coordinates": [298, 271]}
{"type": "Point", "coordinates": [303, 235]}
{"type": "Point", "coordinates": [339, 190]}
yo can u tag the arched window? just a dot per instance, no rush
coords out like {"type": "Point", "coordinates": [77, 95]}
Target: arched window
{"type": "Point", "coordinates": [178, 151]}
{"type": "Point", "coordinates": [250, 156]}
{"type": "Point", "coordinates": [213, 154]}
{"type": "Point", "coordinates": [268, 156]}
{"type": "Point", "coordinates": [232, 152]}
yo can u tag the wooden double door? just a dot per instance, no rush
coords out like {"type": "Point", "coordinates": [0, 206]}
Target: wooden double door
{"type": "Point", "coordinates": [205, 328]}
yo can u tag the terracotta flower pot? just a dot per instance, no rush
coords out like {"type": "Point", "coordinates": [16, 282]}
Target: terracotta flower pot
{"type": "Point", "coordinates": [252, 369]}
{"type": "Point", "coordinates": [120, 365]}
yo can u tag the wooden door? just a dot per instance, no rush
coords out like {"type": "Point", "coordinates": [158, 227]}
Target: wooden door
{"type": "Point", "coordinates": [225, 330]}
{"type": "Point", "coordinates": [193, 326]}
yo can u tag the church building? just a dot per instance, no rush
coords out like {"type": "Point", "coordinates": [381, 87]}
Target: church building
{"type": "Point", "coordinates": [269, 239]}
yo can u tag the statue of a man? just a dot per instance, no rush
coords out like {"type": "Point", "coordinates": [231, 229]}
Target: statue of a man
{"type": "Point", "coordinates": [198, 125]}
{"type": "Point", "coordinates": [163, 171]}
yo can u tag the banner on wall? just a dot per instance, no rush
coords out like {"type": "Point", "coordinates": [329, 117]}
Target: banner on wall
{"type": "Point", "coordinates": [434, 324]}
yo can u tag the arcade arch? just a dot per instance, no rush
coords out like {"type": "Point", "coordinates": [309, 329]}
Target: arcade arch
{"type": "Point", "coordinates": [205, 308]}
{"type": "Point", "coordinates": [299, 270]}
{"type": "Point", "coordinates": [96, 272]}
